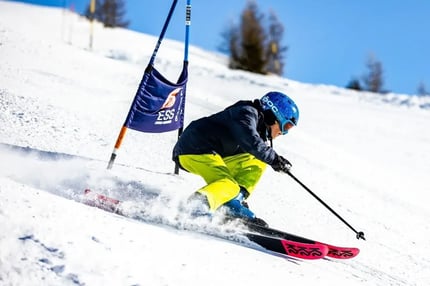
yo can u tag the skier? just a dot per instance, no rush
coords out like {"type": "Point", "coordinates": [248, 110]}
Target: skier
{"type": "Point", "coordinates": [230, 151]}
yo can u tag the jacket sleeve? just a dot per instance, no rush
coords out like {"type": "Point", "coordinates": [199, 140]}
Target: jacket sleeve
{"type": "Point", "coordinates": [244, 129]}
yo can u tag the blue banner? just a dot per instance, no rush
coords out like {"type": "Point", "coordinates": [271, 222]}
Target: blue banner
{"type": "Point", "coordinates": [159, 104]}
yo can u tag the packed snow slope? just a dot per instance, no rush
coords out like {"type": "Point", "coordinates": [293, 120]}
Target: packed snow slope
{"type": "Point", "coordinates": [62, 106]}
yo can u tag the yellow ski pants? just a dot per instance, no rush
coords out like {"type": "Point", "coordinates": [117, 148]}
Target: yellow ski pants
{"type": "Point", "coordinates": [224, 176]}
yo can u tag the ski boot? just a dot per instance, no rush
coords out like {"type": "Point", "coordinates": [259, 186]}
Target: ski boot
{"type": "Point", "coordinates": [238, 208]}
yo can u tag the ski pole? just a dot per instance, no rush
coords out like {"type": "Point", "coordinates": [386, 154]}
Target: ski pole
{"type": "Point", "coordinates": [359, 234]}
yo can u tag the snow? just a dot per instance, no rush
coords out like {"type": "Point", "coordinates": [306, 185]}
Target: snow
{"type": "Point", "coordinates": [63, 104]}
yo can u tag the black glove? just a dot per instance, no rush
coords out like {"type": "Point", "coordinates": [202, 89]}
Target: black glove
{"type": "Point", "coordinates": [280, 164]}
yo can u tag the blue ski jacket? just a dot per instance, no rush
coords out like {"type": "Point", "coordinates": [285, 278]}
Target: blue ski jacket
{"type": "Point", "coordinates": [239, 128]}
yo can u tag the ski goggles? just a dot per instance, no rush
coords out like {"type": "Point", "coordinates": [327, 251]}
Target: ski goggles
{"type": "Point", "coordinates": [285, 126]}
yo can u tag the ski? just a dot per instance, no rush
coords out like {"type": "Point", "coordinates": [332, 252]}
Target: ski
{"type": "Point", "coordinates": [288, 247]}
{"type": "Point", "coordinates": [338, 252]}
{"type": "Point", "coordinates": [102, 202]}
{"type": "Point", "coordinates": [270, 239]}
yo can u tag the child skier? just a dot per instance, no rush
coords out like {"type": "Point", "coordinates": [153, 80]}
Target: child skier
{"type": "Point", "coordinates": [229, 151]}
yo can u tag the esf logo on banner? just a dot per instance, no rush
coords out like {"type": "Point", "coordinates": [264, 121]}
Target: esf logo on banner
{"type": "Point", "coordinates": [167, 112]}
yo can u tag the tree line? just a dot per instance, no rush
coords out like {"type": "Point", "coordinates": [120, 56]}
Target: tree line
{"type": "Point", "coordinates": [373, 79]}
{"type": "Point", "coordinates": [254, 44]}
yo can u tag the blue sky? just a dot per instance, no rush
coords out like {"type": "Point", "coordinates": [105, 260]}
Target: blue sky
{"type": "Point", "coordinates": [329, 41]}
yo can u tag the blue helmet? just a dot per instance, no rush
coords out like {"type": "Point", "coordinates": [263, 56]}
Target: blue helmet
{"type": "Point", "coordinates": [284, 109]}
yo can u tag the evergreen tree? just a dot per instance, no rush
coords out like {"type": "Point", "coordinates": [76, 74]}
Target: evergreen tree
{"type": "Point", "coordinates": [253, 48]}
{"type": "Point", "coordinates": [252, 35]}
{"type": "Point", "coordinates": [354, 84]}
{"type": "Point", "coordinates": [274, 50]}
{"type": "Point", "coordinates": [109, 12]}
{"type": "Point", "coordinates": [114, 11]}
{"type": "Point", "coordinates": [422, 91]}
{"type": "Point", "coordinates": [231, 45]}
{"type": "Point", "coordinates": [373, 80]}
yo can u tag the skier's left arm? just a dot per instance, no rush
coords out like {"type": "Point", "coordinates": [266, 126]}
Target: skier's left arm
{"type": "Point", "coordinates": [244, 129]}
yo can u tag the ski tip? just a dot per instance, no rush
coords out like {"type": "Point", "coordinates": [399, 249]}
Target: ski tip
{"type": "Point", "coordinates": [342, 252]}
